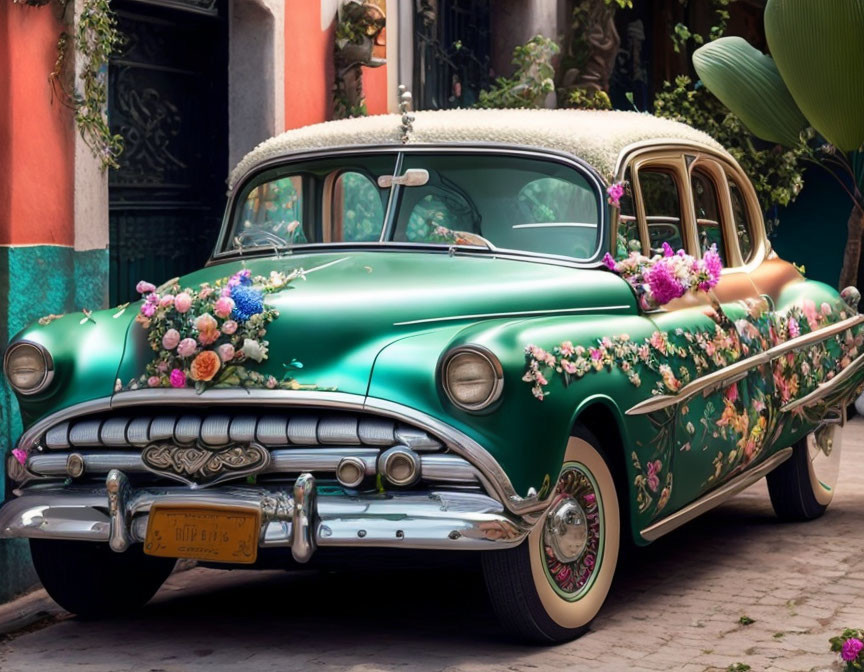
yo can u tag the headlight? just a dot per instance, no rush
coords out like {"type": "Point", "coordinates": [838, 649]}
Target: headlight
{"type": "Point", "coordinates": [472, 377]}
{"type": "Point", "coordinates": [28, 367]}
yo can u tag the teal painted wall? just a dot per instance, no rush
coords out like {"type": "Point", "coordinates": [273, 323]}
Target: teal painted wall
{"type": "Point", "coordinates": [812, 230]}
{"type": "Point", "coordinates": [35, 281]}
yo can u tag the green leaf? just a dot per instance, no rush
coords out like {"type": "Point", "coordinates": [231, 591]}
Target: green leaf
{"type": "Point", "coordinates": [748, 83]}
{"type": "Point", "coordinates": [819, 50]}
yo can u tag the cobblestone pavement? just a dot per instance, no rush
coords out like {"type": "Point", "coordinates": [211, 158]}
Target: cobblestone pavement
{"type": "Point", "coordinates": [675, 606]}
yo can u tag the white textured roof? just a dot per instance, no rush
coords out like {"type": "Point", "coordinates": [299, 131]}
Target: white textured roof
{"type": "Point", "coordinates": [597, 137]}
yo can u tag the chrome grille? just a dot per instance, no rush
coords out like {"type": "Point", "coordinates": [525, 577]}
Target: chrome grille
{"type": "Point", "coordinates": [297, 442]}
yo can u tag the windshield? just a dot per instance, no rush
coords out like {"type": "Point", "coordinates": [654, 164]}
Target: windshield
{"type": "Point", "coordinates": [480, 200]}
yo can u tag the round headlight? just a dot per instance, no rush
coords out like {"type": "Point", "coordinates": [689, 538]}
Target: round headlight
{"type": "Point", "coordinates": [28, 367]}
{"type": "Point", "coordinates": [472, 377]}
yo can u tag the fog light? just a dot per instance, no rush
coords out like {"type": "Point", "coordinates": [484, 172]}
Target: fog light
{"type": "Point", "coordinates": [400, 466]}
{"type": "Point", "coordinates": [350, 471]}
{"type": "Point", "coordinates": [75, 465]}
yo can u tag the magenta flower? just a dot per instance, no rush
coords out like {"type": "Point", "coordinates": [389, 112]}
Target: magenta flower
{"type": "Point", "coordinates": [653, 474]}
{"type": "Point", "coordinates": [663, 284]}
{"type": "Point", "coordinates": [148, 309]}
{"type": "Point", "coordinates": [609, 261]}
{"type": "Point", "coordinates": [794, 328]}
{"type": "Point", "coordinates": [178, 378]}
{"type": "Point", "coordinates": [713, 265]}
{"type": "Point", "coordinates": [20, 455]}
{"type": "Point", "coordinates": [145, 287]}
{"type": "Point", "coordinates": [615, 191]}
{"type": "Point", "coordinates": [667, 250]}
{"type": "Point", "coordinates": [851, 648]}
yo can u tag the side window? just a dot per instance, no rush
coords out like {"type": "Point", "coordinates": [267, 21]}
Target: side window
{"type": "Point", "coordinates": [662, 202]}
{"type": "Point", "coordinates": [358, 213]}
{"type": "Point", "coordinates": [742, 222]}
{"type": "Point", "coordinates": [707, 214]}
{"type": "Point", "coordinates": [274, 208]}
{"type": "Point", "coordinates": [627, 239]}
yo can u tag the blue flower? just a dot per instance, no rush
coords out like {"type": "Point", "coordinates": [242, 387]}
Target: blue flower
{"type": "Point", "coordinates": [248, 301]}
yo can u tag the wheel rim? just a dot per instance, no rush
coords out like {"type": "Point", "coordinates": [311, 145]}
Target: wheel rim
{"type": "Point", "coordinates": [573, 533]}
{"type": "Point", "coordinates": [823, 454]}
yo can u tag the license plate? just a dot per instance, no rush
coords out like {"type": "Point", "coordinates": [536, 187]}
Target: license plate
{"type": "Point", "coordinates": [203, 533]}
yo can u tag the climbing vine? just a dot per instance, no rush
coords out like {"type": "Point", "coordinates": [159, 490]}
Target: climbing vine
{"type": "Point", "coordinates": [94, 40]}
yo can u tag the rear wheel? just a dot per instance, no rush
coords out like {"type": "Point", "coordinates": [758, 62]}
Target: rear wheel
{"type": "Point", "coordinates": [803, 486]}
{"type": "Point", "coordinates": [91, 580]}
{"type": "Point", "coordinates": [551, 587]}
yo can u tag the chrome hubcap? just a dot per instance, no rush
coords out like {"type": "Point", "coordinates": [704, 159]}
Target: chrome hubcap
{"type": "Point", "coordinates": [572, 542]}
{"type": "Point", "coordinates": [567, 530]}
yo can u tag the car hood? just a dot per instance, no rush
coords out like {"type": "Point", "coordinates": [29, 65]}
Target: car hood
{"type": "Point", "coordinates": [347, 309]}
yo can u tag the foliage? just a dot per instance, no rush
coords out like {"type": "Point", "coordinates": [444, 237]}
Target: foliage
{"type": "Point", "coordinates": [362, 210]}
{"type": "Point", "coordinates": [747, 81]}
{"type": "Point", "coordinates": [585, 99]}
{"type": "Point", "coordinates": [94, 41]}
{"type": "Point", "coordinates": [681, 33]}
{"type": "Point", "coordinates": [776, 172]}
{"type": "Point", "coordinates": [820, 69]}
{"type": "Point", "coordinates": [850, 645]}
{"type": "Point", "coordinates": [746, 620]}
{"type": "Point", "coordinates": [532, 81]}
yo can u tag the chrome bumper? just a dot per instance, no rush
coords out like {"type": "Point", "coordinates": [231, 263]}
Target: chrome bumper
{"type": "Point", "coordinates": [300, 518]}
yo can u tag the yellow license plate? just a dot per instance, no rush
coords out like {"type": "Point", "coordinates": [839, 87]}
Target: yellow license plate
{"type": "Point", "coordinates": [203, 533]}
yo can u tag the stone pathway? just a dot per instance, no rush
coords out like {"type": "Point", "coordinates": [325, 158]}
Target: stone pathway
{"type": "Point", "coordinates": [676, 606]}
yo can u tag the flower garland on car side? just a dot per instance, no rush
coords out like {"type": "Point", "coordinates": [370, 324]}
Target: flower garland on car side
{"type": "Point", "coordinates": [207, 337]}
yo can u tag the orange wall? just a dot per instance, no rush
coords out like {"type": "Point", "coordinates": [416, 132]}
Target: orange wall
{"type": "Point", "coordinates": [308, 64]}
{"type": "Point", "coordinates": [36, 134]}
{"type": "Point", "coordinates": [309, 69]}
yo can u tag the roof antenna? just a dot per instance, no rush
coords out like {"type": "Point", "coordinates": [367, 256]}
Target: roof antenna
{"type": "Point", "coordinates": [407, 118]}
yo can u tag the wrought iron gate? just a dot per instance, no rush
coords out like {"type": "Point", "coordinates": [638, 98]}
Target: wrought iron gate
{"type": "Point", "coordinates": [168, 98]}
{"type": "Point", "coordinates": [451, 52]}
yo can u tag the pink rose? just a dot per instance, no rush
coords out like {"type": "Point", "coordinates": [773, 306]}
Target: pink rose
{"type": "Point", "coordinates": [170, 339]}
{"type": "Point", "coordinates": [182, 302]}
{"type": "Point", "coordinates": [229, 327]}
{"type": "Point", "coordinates": [187, 347]}
{"type": "Point", "coordinates": [224, 306]}
{"type": "Point", "coordinates": [145, 287]}
{"type": "Point", "coordinates": [153, 381]}
{"type": "Point", "coordinates": [166, 300]}
{"type": "Point", "coordinates": [226, 352]}
{"type": "Point", "coordinates": [20, 455]}
{"type": "Point", "coordinates": [271, 382]}
{"type": "Point", "coordinates": [178, 378]}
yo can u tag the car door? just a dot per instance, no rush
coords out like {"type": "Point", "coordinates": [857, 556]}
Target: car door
{"type": "Point", "coordinates": [682, 198]}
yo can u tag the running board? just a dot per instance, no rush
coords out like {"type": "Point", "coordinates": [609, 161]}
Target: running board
{"type": "Point", "coordinates": [715, 497]}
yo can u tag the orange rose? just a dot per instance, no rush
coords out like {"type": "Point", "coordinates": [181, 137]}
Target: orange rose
{"type": "Point", "coordinates": [205, 366]}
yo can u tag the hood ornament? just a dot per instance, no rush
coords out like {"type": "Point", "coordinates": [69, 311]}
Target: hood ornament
{"type": "Point", "coordinates": [407, 127]}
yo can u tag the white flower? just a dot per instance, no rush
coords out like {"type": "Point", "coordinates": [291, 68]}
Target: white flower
{"type": "Point", "coordinates": [254, 349]}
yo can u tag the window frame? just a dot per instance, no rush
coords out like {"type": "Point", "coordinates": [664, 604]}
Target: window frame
{"type": "Point", "coordinates": [671, 163]}
{"type": "Point", "coordinates": [709, 168]}
{"type": "Point", "coordinates": [673, 152]}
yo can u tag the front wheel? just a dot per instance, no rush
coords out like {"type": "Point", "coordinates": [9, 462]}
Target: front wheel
{"type": "Point", "coordinates": [548, 589]}
{"type": "Point", "coordinates": [803, 486]}
{"type": "Point", "coordinates": [91, 580]}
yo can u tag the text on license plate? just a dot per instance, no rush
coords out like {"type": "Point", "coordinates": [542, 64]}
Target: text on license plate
{"type": "Point", "coordinates": [203, 533]}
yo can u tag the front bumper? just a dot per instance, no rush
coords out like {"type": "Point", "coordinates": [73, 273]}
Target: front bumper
{"type": "Point", "coordinates": [301, 518]}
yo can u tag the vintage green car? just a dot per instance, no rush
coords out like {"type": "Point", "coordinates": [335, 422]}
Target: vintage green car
{"type": "Point", "coordinates": [543, 336]}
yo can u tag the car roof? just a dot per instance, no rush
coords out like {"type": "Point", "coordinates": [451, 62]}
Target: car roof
{"type": "Point", "coordinates": [596, 137]}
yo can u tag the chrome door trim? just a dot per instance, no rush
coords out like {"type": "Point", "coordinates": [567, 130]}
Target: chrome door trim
{"type": "Point", "coordinates": [715, 497]}
{"type": "Point", "coordinates": [824, 389]}
{"type": "Point", "coordinates": [738, 370]}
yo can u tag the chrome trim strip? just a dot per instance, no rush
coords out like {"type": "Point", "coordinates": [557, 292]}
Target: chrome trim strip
{"type": "Point", "coordinates": [736, 371]}
{"type": "Point", "coordinates": [715, 497]}
{"type": "Point", "coordinates": [492, 476]}
{"type": "Point", "coordinates": [824, 389]}
{"type": "Point", "coordinates": [520, 313]}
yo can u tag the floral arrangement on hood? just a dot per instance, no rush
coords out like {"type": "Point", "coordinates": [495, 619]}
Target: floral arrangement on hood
{"type": "Point", "coordinates": [667, 276]}
{"type": "Point", "coordinates": [207, 337]}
